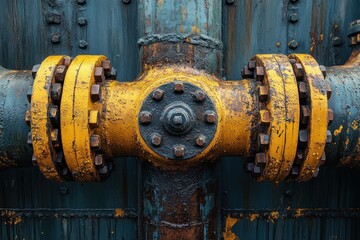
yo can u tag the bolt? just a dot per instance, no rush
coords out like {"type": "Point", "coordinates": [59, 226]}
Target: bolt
{"type": "Point", "coordinates": [95, 142]}
{"type": "Point", "coordinates": [59, 159]}
{"type": "Point", "coordinates": [199, 95]}
{"type": "Point", "coordinates": [298, 70]}
{"type": "Point", "coordinates": [99, 161]}
{"type": "Point", "coordinates": [179, 151]}
{"type": "Point", "coordinates": [94, 119]}
{"type": "Point", "coordinates": [295, 171]}
{"type": "Point", "coordinates": [177, 120]}
{"type": "Point", "coordinates": [29, 138]}
{"type": "Point", "coordinates": [54, 115]}
{"type": "Point", "coordinates": [81, 2]}
{"type": "Point", "coordinates": [55, 38]}
{"type": "Point", "coordinates": [260, 159]}
{"type": "Point", "coordinates": [210, 116]}
{"type": "Point", "coordinates": [323, 70]}
{"type": "Point", "coordinates": [83, 44]}
{"type": "Point", "coordinates": [99, 74]}
{"type": "Point", "coordinates": [53, 18]}
{"type": "Point", "coordinates": [330, 116]}
{"type": "Point", "coordinates": [249, 167]}
{"type": "Point", "coordinates": [95, 92]}
{"type": "Point", "coordinates": [336, 41]}
{"type": "Point", "coordinates": [34, 161]}
{"type": "Point", "coordinates": [200, 140]}
{"type": "Point", "coordinates": [304, 114]}
{"type": "Point", "coordinates": [67, 61]}
{"type": "Point", "coordinates": [259, 73]}
{"type": "Point", "coordinates": [328, 136]}
{"type": "Point", "coordinates": [29, 93]}
{"type": "Point", "coordinates": [246, 72]}
{"type": "Point", "coordinates": [28, 117]}
{"type": "Point", "coordinates": [104, 171]}
{"type": "Point", "coordinates": [322, 159]}
{"type": "Point", "coordinates": [252, 64]}
{"type": "Point", "coordinates": [178, 86]}
{"type": "Point", "coordinates": [145, 117]}
{"type": "Point", "coordinates": [303, 137]}
{"type": "Point", "coordinates": [293, 17]}
{"type": "Point", "coordinates": [35, 69]}
{"type": "Point", "coordinates": [256, 171]}
{"type": "Point", "coordinates": [264, 139]}
{"type": "Point", "coordinates": [106, 64]}
{"type": "Point", "coordinates": [82, 21]}
{"type": "Point", "coordinates": [293, 44]}
{"type": "Point", "coordinates": [60, 73]}
{"type": "Point", "coordinates": [155, 139]}
{"type": "Point", "coordinates": [111, 74]}
{"type": "Point", "coordinates": [55, 137]}
{"type": "Point", "coordinates": [56, 90]}
{"type": "Point", "coordinates": [265, 117]}
{"type": "Point", "coordinates": [158, 94]}
{"type": "Point", "coordinates": [328, 91]}
{"type": "Point", "coordinates": [263, 94]}
{"type": "Point", "coordinates": [303, 91]}
{"type": "Point", "coordinates": [300, 155]}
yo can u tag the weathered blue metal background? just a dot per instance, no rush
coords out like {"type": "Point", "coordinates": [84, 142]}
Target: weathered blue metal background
{"type": "Point", "coordinates": [94, 210]}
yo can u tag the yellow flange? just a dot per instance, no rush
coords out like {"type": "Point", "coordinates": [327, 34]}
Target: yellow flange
{"type": "Point", "coordinates": [80, 143]}
{"type": "Point", "coordinates": [280, 110]}
{"type": "Point", "coordinates": [315, 133]}
{"type": "Point", "coordinates": [45, 138]}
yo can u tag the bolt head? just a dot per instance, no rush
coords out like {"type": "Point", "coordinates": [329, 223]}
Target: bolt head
{"type": "Point", "coordinates": [298, 70]}
{"type": "Point", "coordinates": [178, 86]}
{"type": "Point", "coordinates": [210, 117]}
{"type": "Point", "coordinates": [145, 117]}
{"type": "Point", "coordinates": [259, 73]}
{"type": "Point", "coordinates": [95, 142]}
{"type": "Point", "coordinates": [54, 115]}
{"type": "Point", "coordinates": [55, 38]}
{"type": "Point", "coordinates": [293, 44]}
{"type": "Point", "coordinates": [60, 73]}
{"type": "Point", "coordinates": [265, 117]}
{"type": "Point", "coordinates": [200, 140]}
{"type": "Point", "coordinates": [263, 94]}
{"type": "Point", "coordinates": [94, 119]}
{"type": "Point", "coordinates": [83, 44]}
{"type": "Point", "coordinates": [82, 21]}
{"type": "Point", "coordinates": [264, 139]}
{"type": "Point", "coordinates": [106, 64]}
{"type": "Point", "coordinates": [99, 74]}
{"type": "Point", "coordinates": [303, 136]}
{"type": "Point", "coordinates": [304, 114]}
{"type": "Point", "coordinates": [330, 116]}
{"type": "Point", "coordinates": [95, 92]}
{"type": "Point", "coordinates": [260, 159]}
{"type": "Point", "coordinates": [155, 139]}
{"type": "Point", "coordinates": [56, 91]}
{"type": "Point", "coordinates": [303, 90]}
{"type": "Point", "coordinates": [179, 151]}
{"type": "Point", "coordinates": [55, 137]}
{"type": "Point", "coordinates": [246, 72]}
{"type": "Point", "coordinates": [158, 94]}
{"type": "Point", "coordinates": [199, 95]}
{"type": "Point", "coordinates": [35, 69]}
{"type": "Point", "coordinates": [293, 17]}
{"type": "Point", "coordinates": [99, 161]}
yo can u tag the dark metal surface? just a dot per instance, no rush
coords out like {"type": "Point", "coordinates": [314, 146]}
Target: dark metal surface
{"type": "Point", "coordinates": [179, 119]}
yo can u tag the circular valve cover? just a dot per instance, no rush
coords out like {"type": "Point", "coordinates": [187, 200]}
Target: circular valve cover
{"type": "Point", "coordinates": [178, 120]}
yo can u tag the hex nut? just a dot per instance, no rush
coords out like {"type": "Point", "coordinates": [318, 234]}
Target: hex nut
{"type": "Point", "coordinates": [264, 139]}
{"type": "Point", "coordinates": [145, 117]}
{"type": "Point", "coordinates": [28, 117]}
{"type": "Point", "coordinates": [298, 70]}
{"type": "Point", "coordinates": [60, 73]}
{"type": "Point", "coordinates": [260, 159]}
{"type": "Point", "coordinates": [246, 72]}
{"type": "Point", "coordinates": [67, 61]}
{"type": "Point", "coordinates": [249, 167]}
{"type": "Point", "coordinates": [82, 21]}
{"type": "Point", "coordinates": [106, 64]}
{"type": "Point", "coordinates": [303, 136]}
{"type": "Point", "coordinates": [210, 116]}
{"type": "Point", "coordinates": [99, 161]}
{"type": "Point", "coordinates": [95, 142]}
{"type": "Point", "coordinates": [56, 91]}
{"type": "Point", "coordinates": [54, 115]}
{"type": "Point", "coordinates": [111, 74]}
{"type": "Point", "coordinates": [158, 94]}
{"type": "Point", "coordinates": [95, 93]}
{"type": "Point", "coordinates": [99, 74]}
{"type": "Point", "coordinates": [293, 17]}
{"type": "Point", "coordinates": [94, 119]}
{"type": "Point", "coordinates": [304, 114]}
{"type": "Point", "coordinates": [200, 140]}
{"type": "Point", "coordinates": [295, 170]}
{"type": "Point", "coordinates": [55, 137]}
{"type": "Point", "coordinates": [265, 117]}
{"type": "Point", "coordinates": [322, 159]}
{"type": "Point", "coordinates": [263, 94]}
{"type": "Point", "coordinates": [83, 44]}
{"type": "Point", "coordinates": [252, 64]}
{"type": "Point", "coordinates": [300, 156]}
{"type": "Point", "coordinates": [303, 90]}
{"type": "Point", "coordinates": [199, 95]}
{"type": "Point", "coordinates": [259, 73]}
{"type": "Point", "coordinates": [155, 139]}
{"type": "Point", "coordinates": [29, 138]}
{"type": "Point", "coordinates": [29, 93]}
{"type": "Point", "coordinates": [178, 86]}
{"type": "Point", "coordinates": [256, 171]}
{"type": "Point", "coordinates": [179, 151]}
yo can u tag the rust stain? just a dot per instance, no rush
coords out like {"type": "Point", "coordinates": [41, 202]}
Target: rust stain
{"type": "Point", "coordinates": [11, 217]}
{"type": "Point", "coordinates": [119, 213]}
{"type": "Point", "coordinates": [274, 216]}
{"type": "Point", "coordinates": [253, 216]}
{"type": "Point", "coordinates": [195, 29]}
{"type": "Point", "coordinates": [228, 234]}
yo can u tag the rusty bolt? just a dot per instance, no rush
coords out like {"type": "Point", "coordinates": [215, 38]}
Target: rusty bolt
{"type": "Point", "coordinates": [259, 73]}
{"type": "Point", "coordinates": [99, 74]}
{"type": "Point", "coordinates": [82, 21]}
{"type": "Point", "coordinates": [328, 91]}
{"type": "Point", "coordinates": [303, 136]}
{"type": "Point", "coordinates": [210, 116]}
{"type": "Point", "coordinates": [54, 115]}
{"type": "Point", "coordinates": [265, 117]}
{"type": "Point", "coordinates": [298, 70]}
{"type": "Point", "coordinates": [158, 94]}
{"type": "Point", "coordinates": [28, 117]}
{"type": "Point", "coordinates": [293, 17]}
{"type": "Point", "coordinates": [94, 119]}
{"type": "Point", "coordinates": [246, 72]}
{"type": "Point", "coordinates": [55, 137]}
{"type": "Point", "coordinates": [328, 136]}
{"type": "Point", "coordinates": [260, 159]}
{"type": "Point", "coordinates": [106, 64]}
{"type": "Point", "coordinates": [293, 44]}
{"type": "Point", "coordinates": [35, 69]}
{"type": "Point", "coordinates": [256, 171]}
{"type": "Point", "coordinates": [34, 161]}
{"type": "Point", "coordinates": [145, 117]}
{"type": "Point", "coordinates": [294, 171]}
{"type": "Point", "coordinates": [264, 139]}
{"type": "Point", "coordinates": [155, 139]}
{"type": "Point", "coordinates": [300, 156]}
{"type": "Point", "coordinates": [303, 90]}
{"type": "Point", "coordinates": [336, 41]}
{"type": "Point", "coordinates": [179, 151]}
{"type": "Point", "coordinates": [83, 44]}
{"type": "Point", "coordinates": [95, 92]}
{"type": "Point", "coordinates": [200, 140]}
{"type": "Point", "coordinates": [322, 159]}
{"type": "Point", "coordinates": [330, 116]}
{"type": "Point", "coordinates": [304, 114]}
{"type": "Point", "coordinates": [178, 86]}
{"type": "Point", "coordinates": [199, 95]}
{"type": "Point", "coordinates": [95, 142]}
{"type": "Point", "coordinates": [263, 94]}
{"type": "Point", "coordinates": [323, 70]}
{"type": "Point", "coordinates": [60, 73]}
{"type": "Point", "coordinates": [29, 138]}
{"type": "Point", "coordinates": [67, 61]}
{"type": "Point", "coordinates": [252, 64]}
{"type": "Point", "coordinates": [99, 160]}
{"type": "Point", "coordinates": [56, 90]}
{"type": "Point", "coordinates": [55, 38]}
{"type": "Point", "coordinates": [111, 74]}
{"type": "Point", "coordinates": [29, 93]}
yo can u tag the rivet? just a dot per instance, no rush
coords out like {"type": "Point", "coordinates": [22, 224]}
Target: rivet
{"type": "Point", "coordinates": [293, 44]}
{"type": "Point", "coordinates": [83, 44]}
{"type": "Point", "coordinates": [55, 38]}
{"type": "Point", "coordinates": [199, 95]}
{"type": "Point", "coordinates": [200, 140]}
{"type": "Point", "coordinates": [155, 139]}
{"type": "Point", "coordinates": [82, 21]}
{"type": "Point", "coordinates": [293, 17]}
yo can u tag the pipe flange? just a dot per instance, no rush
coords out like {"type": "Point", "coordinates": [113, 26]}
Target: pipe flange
{"type": "Point", "coordinates": [44, 117]}
{"type": "Point", "coordinates": [178, 120]}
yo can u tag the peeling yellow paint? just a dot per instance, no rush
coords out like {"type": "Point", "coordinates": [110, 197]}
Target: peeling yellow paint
{"type": "Point", "coordinates": [253, 216]}
{"type": "Point", "coordinates": [119, 212]}
{"type": "Point", "coordinates": [228, 234]}
{"type": "Point", "coordinates": [338, 131]}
